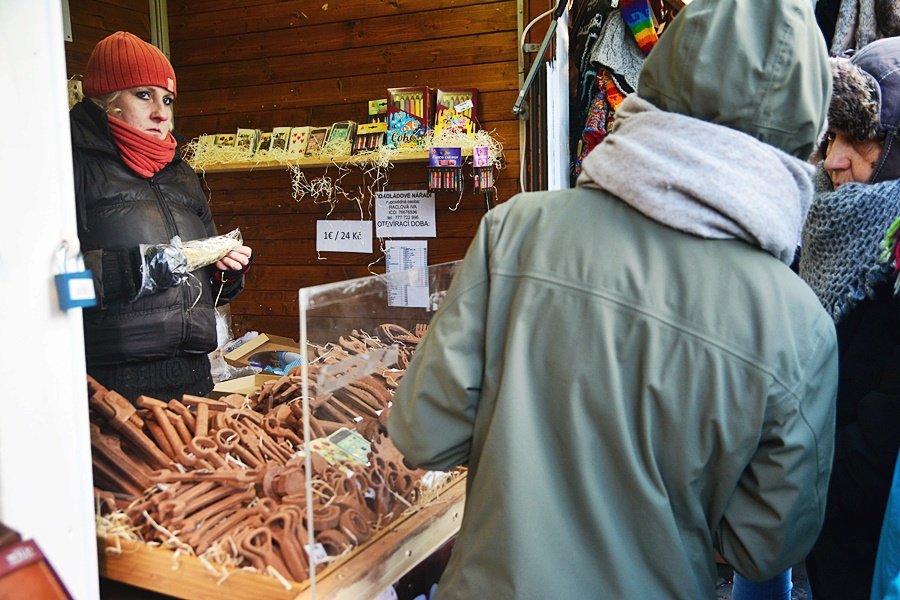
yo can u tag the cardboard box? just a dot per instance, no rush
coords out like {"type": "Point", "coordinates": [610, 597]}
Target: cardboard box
{"type": "Point", "coordinates": [241, 385]}
{"type": "Point", "coordinates": [240, 356]}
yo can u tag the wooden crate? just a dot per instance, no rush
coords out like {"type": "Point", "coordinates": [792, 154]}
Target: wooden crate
{"type": "Point", "coordinates": [364, 573]}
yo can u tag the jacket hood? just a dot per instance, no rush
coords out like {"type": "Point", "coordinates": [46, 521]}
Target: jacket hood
{"type": "Point", "coordinates": [757, 66]}
{"type": "Point", "coordinates": [90, 128]}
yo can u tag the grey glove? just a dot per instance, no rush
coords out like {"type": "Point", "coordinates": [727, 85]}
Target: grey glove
{"type": "Point", "coordinates": [161, 267]}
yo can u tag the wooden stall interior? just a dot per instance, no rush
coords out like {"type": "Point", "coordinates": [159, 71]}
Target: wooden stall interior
{"type": "Point", "coordinates": [263, 64]}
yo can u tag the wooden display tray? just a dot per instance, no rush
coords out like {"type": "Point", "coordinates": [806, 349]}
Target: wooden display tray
{"type": "Point", "coordinates": [364, 573]}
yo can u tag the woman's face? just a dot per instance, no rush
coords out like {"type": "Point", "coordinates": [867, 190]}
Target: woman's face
{"type": "Point", "coordinates": [147, 108]}
{"type": "Point", "coordinates": [848, 160]}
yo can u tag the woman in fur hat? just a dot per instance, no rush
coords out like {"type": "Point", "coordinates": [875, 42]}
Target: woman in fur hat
{"type": "Point", "coordinates": [154, 323]}
{"type": "Point", "coordinates": [858, 197]}
{"type": "Point", "coordinates": [841, 261]}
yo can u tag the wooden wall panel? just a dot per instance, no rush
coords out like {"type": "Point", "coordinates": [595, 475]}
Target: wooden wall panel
{"type": "Point", "coordinates": [263, 64]}
{"type": "Point", "coordinates": [268, 63]}
{"type": "Point", "coordinates": [93, 20]}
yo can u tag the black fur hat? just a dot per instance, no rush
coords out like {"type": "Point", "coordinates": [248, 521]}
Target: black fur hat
{"type": "Point", "coordinates": [865, 101]}
{"type": "Point", "coordinates": [854, 101]}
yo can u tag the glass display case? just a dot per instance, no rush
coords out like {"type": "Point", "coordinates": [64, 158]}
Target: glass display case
{"type": "Point", "coordinates": [357, 338]}
{"type": "Point", "coordinates": [291, 490]}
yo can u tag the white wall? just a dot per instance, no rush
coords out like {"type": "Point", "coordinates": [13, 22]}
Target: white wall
{"type": "Point", "coordinates": [45, 463]}
{"type": "Point", "coordinates": [558, 109]}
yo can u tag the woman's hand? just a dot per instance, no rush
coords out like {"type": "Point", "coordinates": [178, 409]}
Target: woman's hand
{"type": "Point", "coordinates": [235, 260]}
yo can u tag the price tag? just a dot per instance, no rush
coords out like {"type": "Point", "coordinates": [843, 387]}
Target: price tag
{"type": "Point", "coordinates": [316, 553]}
{"type": "Point", "coordinates": [464, 106]}
{"type": "Point", "coordinates": [344, 236]}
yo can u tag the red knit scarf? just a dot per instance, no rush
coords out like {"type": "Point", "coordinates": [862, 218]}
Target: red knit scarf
{"type": "Point", "coordinates": [142, 152]}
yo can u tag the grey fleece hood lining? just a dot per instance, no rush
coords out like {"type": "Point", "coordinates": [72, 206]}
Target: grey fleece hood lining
{"type": "Point", "coordinates": [714, 192]}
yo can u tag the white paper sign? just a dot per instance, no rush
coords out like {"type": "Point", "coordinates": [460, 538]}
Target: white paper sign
{"type": "Point", "coordinates": [404, 213]}
{"type": "Point", "coordinates": [344, 236]}
{"type": "Point", "coordinates": [402, 255]}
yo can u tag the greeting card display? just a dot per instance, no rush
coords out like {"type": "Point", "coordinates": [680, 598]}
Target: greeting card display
{"type": "Point", "coordinates": [265, 141]}
{"type": "Point", "coordinates": [297, 141]}
{"type": "Point", "coordinates": [317, 137]}
{"type": "Point", "coordinates": [225, 139]}
{"type": "Point", "coordinates": [247, 140]}
{"type": "Point", "coordinates": [340, 137]}
{"type": "Point", "coordinates": [280, 136]}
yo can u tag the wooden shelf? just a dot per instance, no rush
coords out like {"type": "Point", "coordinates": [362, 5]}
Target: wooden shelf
{"type": "Point", "coordinates": [364, 573]}
{"type": "Point", "coordinates": [318, 162]}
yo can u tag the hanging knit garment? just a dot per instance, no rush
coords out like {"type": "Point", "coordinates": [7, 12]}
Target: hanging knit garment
{"type": "Point", "coordinates": [841, 256]}
{"type": "Point", "coordinates": [143, 153]}
{"type": "Point", "coordinates": [617, 51]}
{"type": "Point", "coordinates": [599, 119]}
{"type": "Point", "coordinates": [639, 17]}
{"type": "Point", "coordinates": [588, 22]}
{"type": "Point", "coordinates": [613, 94]}
{"type": "Point", "coordinates": [620, 53]}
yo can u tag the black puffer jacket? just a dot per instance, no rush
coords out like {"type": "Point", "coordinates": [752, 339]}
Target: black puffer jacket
{"type": "Point", "coordinates": [867, 440]}
{"type": "Point", "coordinates": [118, 210]}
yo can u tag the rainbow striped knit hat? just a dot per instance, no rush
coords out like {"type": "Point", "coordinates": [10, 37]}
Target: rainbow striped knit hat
{"type": "Point", "coordinates": [639, 18]}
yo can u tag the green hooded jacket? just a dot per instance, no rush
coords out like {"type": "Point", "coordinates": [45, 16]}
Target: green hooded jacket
{"type": "Point", "coordinates": [630, 398]}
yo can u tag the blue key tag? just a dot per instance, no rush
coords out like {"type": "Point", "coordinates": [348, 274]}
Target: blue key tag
{"type": "Point", "coordinates": [74, 289]}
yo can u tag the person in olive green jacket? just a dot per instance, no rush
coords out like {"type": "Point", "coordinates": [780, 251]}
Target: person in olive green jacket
{"type": "Point", "coordinates": [632, 372]}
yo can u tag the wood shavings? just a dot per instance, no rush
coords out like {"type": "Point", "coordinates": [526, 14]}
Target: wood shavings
{"type": "Point", "coordinates": [201, 156]}
{"type": "Point", "coordinates": [221, 559]}
{"type": "Point", "coordinates": [328, 190]}
{"type": "Point", "coordinates": [433, 483]}
{"type": "Point", "coordinates": [272, 571]}
{"type": "Point", "coordinates": [221, 573]}
{"type": "Point", "coordinates": [117, 526]}
{"type": "Point", "coordinates": [335, 148]}
{"type": "Point", "coordinates": [170, 540]}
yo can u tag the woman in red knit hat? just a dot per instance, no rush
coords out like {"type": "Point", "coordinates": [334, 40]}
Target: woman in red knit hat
{"type": "Point", "coordinates": [154, 323]}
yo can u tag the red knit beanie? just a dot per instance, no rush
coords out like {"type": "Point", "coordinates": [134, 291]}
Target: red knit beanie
{"type": "Point", "coordinates": [123, 60]}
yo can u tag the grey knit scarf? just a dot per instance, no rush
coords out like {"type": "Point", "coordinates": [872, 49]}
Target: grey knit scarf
{"type": "Point", "coordinates": [841, 250]}
{"type": "Point", "coordinates": [704, 179]}
{"type": "Point", "coordinates": [855, 26]}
